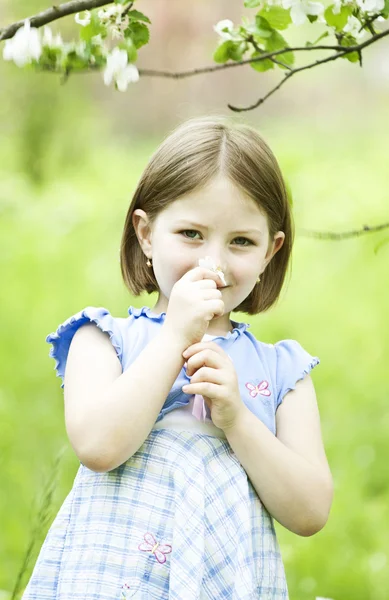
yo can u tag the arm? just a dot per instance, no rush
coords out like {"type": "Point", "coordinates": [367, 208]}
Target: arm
{"type": "Point", "coordinates": [289, 472]}
{"type": "Point", "coordinates": [109, 415]}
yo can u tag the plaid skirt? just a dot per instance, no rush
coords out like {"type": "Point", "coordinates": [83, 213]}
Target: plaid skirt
{"type": "Point", "coordinates": [179, 520]}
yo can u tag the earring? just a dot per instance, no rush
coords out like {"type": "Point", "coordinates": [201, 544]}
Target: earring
{"type": "Point", "coordinates": [258, 280]}
{"type": "Point", "coordinates": [148, 263]}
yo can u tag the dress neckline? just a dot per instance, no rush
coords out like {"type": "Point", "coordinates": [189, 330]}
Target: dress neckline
{"type": "Point", "coordinates": [145, 311]}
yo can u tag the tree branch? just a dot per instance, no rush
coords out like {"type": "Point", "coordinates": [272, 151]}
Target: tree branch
{"type": "Point", "coordinates": [342, 51]}
{"type": "Point", "coordinates": [328, 235]}
{"type": "Point", "coordinates": [56, 12]}
{"type": "Point", "coordinates": [52, 14]}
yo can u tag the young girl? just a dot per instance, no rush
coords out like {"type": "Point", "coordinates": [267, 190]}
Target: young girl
{"type": "Point", "coordinates": [192, 434]}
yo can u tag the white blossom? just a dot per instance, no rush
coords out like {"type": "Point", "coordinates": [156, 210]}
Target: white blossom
{"type": "Point", "coordinates": [371, 6]}
{"type": "Point", "coordinates": [106, 15]}
{"type": "Point", "coordinates": [337, 7]}
{"type": "Point", "coordinates": [353, 27]}
{"type": "Point", "coordinates": [225, 24]}
{"type": "Point", "coordinates": [208, 263]}
{"type": "Point", "coordinates": [97, 40]}
{"type": "Point", "coordinates": [49, 40]}
{"type": "Point", "coordinates": [83, 21]}
{"type": "Point", "coordinates": [118, 70]}
{"type": "Point", "coordinates": [24, 47]}
{"type": "Point", "coordinates": [301, 8]}
{"type": "Point", "coordinates": [112, 18]}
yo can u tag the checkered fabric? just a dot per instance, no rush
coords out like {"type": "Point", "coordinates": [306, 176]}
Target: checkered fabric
{"type": "Point", "coordinates": [179, 520]}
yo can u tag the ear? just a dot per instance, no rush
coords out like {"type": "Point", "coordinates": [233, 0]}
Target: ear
{"type": "Point", "coordinates": [142, 229]}
{"type": "Point", "coordinates": [277, 243]}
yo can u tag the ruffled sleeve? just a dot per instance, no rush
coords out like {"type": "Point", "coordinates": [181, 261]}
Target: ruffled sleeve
{"type": "Point", "coordinates": [293, 363]}
{"type": "Point", "coordinates": [62, 338]}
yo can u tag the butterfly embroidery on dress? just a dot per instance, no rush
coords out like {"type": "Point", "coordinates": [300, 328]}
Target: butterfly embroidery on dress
{"type": "Point", "coordinates": [151, 545]}
{"type": "Point", "coordinates": [260, 388]}
{"type": "Point", "coordinates": [125, 587]}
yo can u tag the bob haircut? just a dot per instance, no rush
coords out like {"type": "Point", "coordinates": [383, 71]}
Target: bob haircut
{"type": "Point", "coordinates": [188, 159]}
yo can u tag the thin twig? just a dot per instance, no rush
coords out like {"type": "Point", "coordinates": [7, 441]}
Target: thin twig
{"type": "Point", "coordinates": [74, 6]}
{"type": "Point", "coordinates": [52, 14]}
{"type": "Point", "coordinates": [341, 52]}
{"type": "Point", "coordinates": [329, 235]}
{"type": "Point", "coordinates": [252, 41]}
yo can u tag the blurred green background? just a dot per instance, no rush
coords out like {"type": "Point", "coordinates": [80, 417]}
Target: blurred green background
{"type": "Point", "coordinates": [70, 159]}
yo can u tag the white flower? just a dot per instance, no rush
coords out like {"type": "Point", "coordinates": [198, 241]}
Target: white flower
{"type": "Point", "coordinates": [337, 7]}
{"type": "Point", "coordinates": [301, 8]}
{"type": "Point", "coordinates": [353, 26]}
{"type": "Point", "coordinates": [83, 21]}
{"type": "Point", "coordinates": [48, 39]}
{"type": "Point", "coordinates": [24, 47]}
{"type": "Point", "coordinates": [97, 40]}
{"type": "Point", "coordinates": [119, 71]}
{"type": "Point", "coordinates": [107, 14]}
{"type": "Point", "coordinates": [208, 263]}
{"type": "Point", "coordinates": [371, 6]}
{"type": "Point", "coordinates": [225, 24]}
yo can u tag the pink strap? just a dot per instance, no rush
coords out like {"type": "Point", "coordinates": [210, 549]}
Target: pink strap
{"type": "Point", "coordinates": [199, 410]}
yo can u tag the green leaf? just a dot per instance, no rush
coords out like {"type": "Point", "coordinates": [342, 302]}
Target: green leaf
{"type": "Point", "coordinates": [385, 12]}
{"type": "Point", "coordinates": [94, 28]}
{"type": "Point", "coordinates": [136, 15]}
{"type": "Point", "coordinates": [276, 16]}
{"type": "Point", "coordinates": [262, 26]}
{"type": "Point", "coordinates": [74, 62]}
{"type": "Point", "coordinates": [323, 35]}
{"type": "Point", "coordinates": [221, 54]}
{"type": "Point", "coordinates": [128, 45]}
{"type": "Point", "coordinates": [138, 32]}
{"type": "Point", "coordinates": [277, 42]}
{"type": "Point", "coordinates": [312, 18]}
{"type": "Point", "coordinates": [340, 20]}
{"type": "Point", "coordinates": [252, 3]}
{"type": "Point", "coordinates": [229, 50]}
{"type": "Point", "coordinates": [50, 57]}
{"type": "Point", "coordinates": [262, 65]}
{"type": "Point", "coordinates": [348, 41]}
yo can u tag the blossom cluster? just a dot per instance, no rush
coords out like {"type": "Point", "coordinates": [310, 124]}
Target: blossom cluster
{"type": "Point", "coordinates": [29, 46]}
{"type": "Point", "coordinates": [300, 10]}
{"type": "Point", "coordinates": [128, 31]}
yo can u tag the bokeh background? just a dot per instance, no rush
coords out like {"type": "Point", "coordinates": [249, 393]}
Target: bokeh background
{"type": "Point", "coordinates": [70, 158]}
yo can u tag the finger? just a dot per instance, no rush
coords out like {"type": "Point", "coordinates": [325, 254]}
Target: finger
{"type": "Point", "coordinates": [202, 346]}
{"type": "Point", "coordinates": [204, 358]}
{"type": "Point", "coordinates": [207, 374]}
{"type": "Point", "coordinates": [199, 273]}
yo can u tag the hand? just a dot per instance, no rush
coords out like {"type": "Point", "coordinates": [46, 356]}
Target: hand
{"type": "Point", "coordinates": [214, 377]}
{"type": "Point", "coordinates": [194, 301]}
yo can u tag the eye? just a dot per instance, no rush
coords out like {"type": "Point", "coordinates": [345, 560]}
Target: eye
{"type": "Point", "coordinates": [238, 238]}
{"type": "Point", "coordinates": [191, 230]}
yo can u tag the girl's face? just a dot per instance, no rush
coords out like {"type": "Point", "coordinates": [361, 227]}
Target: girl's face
{"type": "Point", "coordinates": [219, 221]}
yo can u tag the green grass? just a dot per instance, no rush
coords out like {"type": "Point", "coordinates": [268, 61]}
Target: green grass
{"type": "Point", "coordinates": [59, 248]}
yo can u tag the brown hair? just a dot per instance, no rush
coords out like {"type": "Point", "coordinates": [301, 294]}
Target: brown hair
{"type": "Point", "coordinates": [189, 158]}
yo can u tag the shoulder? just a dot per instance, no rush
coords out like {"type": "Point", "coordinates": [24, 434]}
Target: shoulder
{"type": "Point", "coordinates": [287, 361]}
{"type": "Point", "coordinates": [90, 324]}
{"type": "Point", "coordinates": [294, 363]}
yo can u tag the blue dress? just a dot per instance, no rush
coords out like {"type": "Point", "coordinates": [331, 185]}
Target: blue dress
{"type": "Point", "coordinates": [179, 520]}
